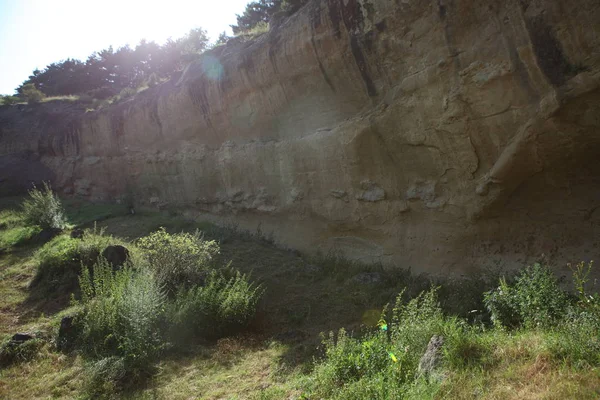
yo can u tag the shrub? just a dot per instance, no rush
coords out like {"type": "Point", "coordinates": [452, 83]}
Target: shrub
{"type": "Point", "coordinates": [44, 208]}
{"type": "Point", "coordinates": [382, 364]}
{"type": "Point", "coordinates": [177, 259]}
{"type": "Point", "coordinates": [122, 315]}
{"type": "Point", "coordinates": [126, 93]}
{"type": "Point", "coordinates": [534, 300]}
{"type": "Point", "coordinates": [223, 307]}
{"type": "Point", "coordinates": [350, 359]}
{"type": "Point", "coordinates": [153, 80]}
{"type": "Point", "coordinates": [102, 93]}
{"type": "Point", "coordinates": [10, 100]}
{"type": "Point", "coordinates": [577, 340]}
{"type": "Point", "coordinates": [32, 94]}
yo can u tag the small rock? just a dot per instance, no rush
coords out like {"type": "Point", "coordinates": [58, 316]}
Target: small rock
{"type": "Point", "coordinates": [368, 278]}
{"type": "Point", "coordinates": [371, 192]}
{"type": "Point", "coordinates": [48, 234]}
{"type": "Point", "coordinates": [77, 234]}
{"type": "Point", "coordinates": [116, 256]}
{"type": "Point", "coordinates": [19, 338]}
{"type": "Point", "coordinates": [340, 194]}
{"type": "Point", "coordinates": [432, 359]}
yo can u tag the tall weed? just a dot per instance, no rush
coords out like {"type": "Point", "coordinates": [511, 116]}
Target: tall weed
{"type": "Point", "coordinates": [223, 307]}
{"type": "Point", "coordinates": [123, 312]}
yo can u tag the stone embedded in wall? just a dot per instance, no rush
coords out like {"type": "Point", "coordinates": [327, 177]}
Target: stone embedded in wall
{"type": "Point", "coordinates": [82, 187]}
{"type": "Point", "coordinates": [371, 192]}
{"type": "Point", "coordinates": [339, 194]}
{"type": "Point", "coordinates": [296, 194]}
{"type": "Point", "coordinates": [426, 192]}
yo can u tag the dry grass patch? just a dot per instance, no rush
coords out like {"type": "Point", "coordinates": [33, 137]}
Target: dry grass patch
{"type": "Point", "coordinates": [50, 375]}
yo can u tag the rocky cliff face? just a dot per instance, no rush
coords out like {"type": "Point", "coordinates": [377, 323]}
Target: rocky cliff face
{"type": "Point", "coordinates": [441, 135]}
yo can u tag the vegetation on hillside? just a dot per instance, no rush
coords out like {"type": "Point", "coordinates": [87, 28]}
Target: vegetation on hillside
{"type": "Point", "coordinates": [115, 74]}
{"type": "Point", "coordinates": [262, 11]}
{"type": "Point", "coordinates": [182, 317]}
{"type": "Point", "coordinates": [109, 72]}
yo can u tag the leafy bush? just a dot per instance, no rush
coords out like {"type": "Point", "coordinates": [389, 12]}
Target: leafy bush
{"type": "Point", "coordinates": [224, 306]}
{"type": "Point", "coordinates": [350, 359]}
{"type": "Point", "coordinates": [44, 208]}
{"type": "Point", "coordinates": [153, 80]}
{"type": "Point", "coordinates": [126, 93]}
{"type": "Point", "coordinates": [9, 100]}
{"type": "Point", "coordinates": [577, 340]}
{"type": "Point", "coordinates": [31, 93]}
{"type": "Point", "coordinates": [383, 364]}
{"type": "Point", "coordinates": [122, 315]}
{"type": "Point", "coordinates": [535, 299]}
{"type": "Point", "coordinates": [177, 259]}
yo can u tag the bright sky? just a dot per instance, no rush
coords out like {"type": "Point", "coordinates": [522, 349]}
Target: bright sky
{"type": "Point", "coordinates": [35, 33]}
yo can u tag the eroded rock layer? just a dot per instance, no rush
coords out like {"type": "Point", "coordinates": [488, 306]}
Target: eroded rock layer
{"type": "Point", "coordinates": [442, 135]}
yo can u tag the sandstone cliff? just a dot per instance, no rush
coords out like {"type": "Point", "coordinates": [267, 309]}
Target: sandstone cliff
{"type": "Point", "coordinates": [441, 135]}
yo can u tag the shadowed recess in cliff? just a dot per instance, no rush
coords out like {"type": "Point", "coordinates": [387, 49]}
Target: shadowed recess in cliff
{"type": "Point", "coordinates": [349, 11]}
{"type": "Point", "coordinates": [315, 18]}
{"type": "Point", "coordinates": [210, 72]}
{"type": "Point", "coordinates": [547, 48]}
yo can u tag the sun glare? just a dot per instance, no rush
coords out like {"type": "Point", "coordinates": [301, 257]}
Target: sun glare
{"type": "Point", "coordinates": [63, 29]}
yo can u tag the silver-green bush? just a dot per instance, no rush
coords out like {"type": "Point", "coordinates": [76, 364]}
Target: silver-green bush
{"type": "Point", "coordinates": [43, 208]}
{"type": "Point", "coordinates": [122, 315]}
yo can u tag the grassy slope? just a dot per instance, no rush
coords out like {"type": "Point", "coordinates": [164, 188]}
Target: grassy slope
{"type": "Point", "coordinates": [303, 298]}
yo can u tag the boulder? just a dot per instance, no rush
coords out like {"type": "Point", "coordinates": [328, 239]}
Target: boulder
{"type": "Point", "coordinates": [116, 255]}
{"type": "Point", "coordinates": [77, 233]}
{"type": "Point", "coordinates": [19, 338]}
{"type": "Point", "coordinates": [66, 334]}
{"type": "Point", "coordinates": [48, 234]}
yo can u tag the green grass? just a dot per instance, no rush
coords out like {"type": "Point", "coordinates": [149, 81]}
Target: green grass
{"type": "Point", "coordinates": [18, 236]}
{"type": "Point", "coordinates": [81, 213]}
{"type": "Point", "coordinates": [71, 98]}
{"type": "Point", "coordinates": [10, 218]}
{"type": "Point", "coordinates": [282, 354]}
